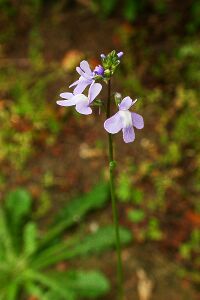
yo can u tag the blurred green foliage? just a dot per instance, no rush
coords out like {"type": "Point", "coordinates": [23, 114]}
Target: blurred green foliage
{"type": "Point", "coordinates": [24, 114]}
{"type": "Point", "coordinates": [26, 254]}
{"type": "Point", "coordinates": [194, 23]}
{"type": "Point", "coordinates": [130, 8]}
{"type": "Point", "coordinates": [161, 66]}
{"type": "Point", "coordinates": [191, 247]}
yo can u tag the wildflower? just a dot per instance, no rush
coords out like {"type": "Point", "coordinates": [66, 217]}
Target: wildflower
{"type": "Point", "coordinates": [81, 102]}
{"type": "Point", "coordinates": [86, 78]}
{"type": "Point", "coordinates": [125, 120]}
{"type": "Point", "coordinates": [99, 70]}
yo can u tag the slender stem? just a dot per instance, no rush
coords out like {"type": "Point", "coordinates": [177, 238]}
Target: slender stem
{"type": "Point", "coordinates": [112, 165]}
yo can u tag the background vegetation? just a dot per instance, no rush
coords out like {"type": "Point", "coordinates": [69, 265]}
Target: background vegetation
{"type": "Point", "coordinates": [50, 155]}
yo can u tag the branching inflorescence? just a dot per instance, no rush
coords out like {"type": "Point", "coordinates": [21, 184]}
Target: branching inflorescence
{"type": "Point", "coordinates": [123, 119]}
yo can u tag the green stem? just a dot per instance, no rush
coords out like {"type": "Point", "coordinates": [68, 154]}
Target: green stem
{"type": "Point", "coordinates": [112, 165]}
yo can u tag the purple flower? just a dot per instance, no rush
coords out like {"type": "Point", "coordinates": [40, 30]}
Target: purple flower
{"type": "Point", "coordinates": [86, 78]}
{"type": "Point", "coordinates": [81, 102]}
{"type": "Point", "coordinates": [125, 120]}
{"type": "Point", "coordinates": [99, 70]}
{"type": "Point", "coordinates": [120, 54]}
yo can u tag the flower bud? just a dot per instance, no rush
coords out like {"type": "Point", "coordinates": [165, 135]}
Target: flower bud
{"type": "Point", "coordinates": [118, 98]}
{"type": "Point", "coordinates": [120, 54]}
{"type": "Point", "coordinates": [102, 56]}
{"type": "Point", "coordinates": [107, 73]}
{"type": "Point", "coordinates": [99, 70]}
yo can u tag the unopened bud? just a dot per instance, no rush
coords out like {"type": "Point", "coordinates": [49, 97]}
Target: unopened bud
{"type": "Point", "coordinates": [120, 54]}
{"type": "Point", "coordinates": [118, 98]}
{"type": "Point", "coordinates": [107, 73]}
{"type": "Point", "coordinates": [99, 70]}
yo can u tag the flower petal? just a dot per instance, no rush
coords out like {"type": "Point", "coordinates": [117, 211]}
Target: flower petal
{"type": "Point", "coordinates": [94, 91]}
{"type": "Point", "coordinates": [66, 95]}
{"type": "Point", "coordinates": [73, 101]}
{"type": "Point", "coordinates": [85, 67]}
{"type": "Point", "coordinates": [65, 102]}
{"type": "Point", "coordinates": [79, 71]}
{"type": "Point", "coordinates": [126, 103]}
{"type": "Point", "coordinates": [113, 124]}
{"type": "Point", "coordinates": [79, 98]}
{"type": "Point", "coordinates": [137, 120]}
{"type": "Point", "coordinates": [81, 86]}
{"type": "Point", "coordinates": [128, 134]}
{"type": "Point", "coordinates": [126, 118]}
{"type": "Point", "coordinates": [83, 108]}
{"type": "Point", "coordinates": [74, 83]}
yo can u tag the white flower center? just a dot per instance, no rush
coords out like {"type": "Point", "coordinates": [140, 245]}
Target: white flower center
{"type": "Point", "coordinates": [82, 99]}
{"type": "Point", "coordinates": [126, 119]}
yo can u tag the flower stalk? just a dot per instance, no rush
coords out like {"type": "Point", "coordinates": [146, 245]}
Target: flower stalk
{"type": "Point", "coordinates": [123, 120]}
{"type": "Point", "coordinates": [112, 166]}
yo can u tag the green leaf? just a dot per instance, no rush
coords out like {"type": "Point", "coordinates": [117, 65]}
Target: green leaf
{"type": "Point", "coordinates": [97, 242]}
{"type": "Point", "coordinates": [53, 284]}
{"type": "Point", "coordinates": [2, 251]}
{"type": "Point", "coordinates": [6, 247]}
{"type": "Point", "coordinates": [9, 286]}
{"type": "Point", "coordinates": [90, 284]}
{"type": "Point", "coordinates": [18, 205]}
{"type": "Point", "coordinates": [77, 209]}
{"type": "Point", "coordinates": [45, 256]}
{"type": "Point", "coordinates": [136, 215]}
{"type": "Point", "coordinates": [13, 290]}
{"type": "Point", "coordinates": [4, 281]}
{"type": "Point", "coordinates": [33, 289]}
{"type": "Point", "coordinates": [30, 238]}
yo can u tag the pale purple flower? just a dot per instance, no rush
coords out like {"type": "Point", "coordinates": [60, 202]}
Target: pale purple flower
{"type": "Point", "coordinates": [86, 78]}
{"type": "Point", "coordinates": [125, 120]}
{"type": "Point", "coordinates": [99, 70]}
{"type": "Point", "coordinates": [120, 54]}
{"type": "Point", "coordinates": [81, 102]}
